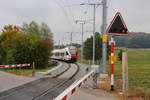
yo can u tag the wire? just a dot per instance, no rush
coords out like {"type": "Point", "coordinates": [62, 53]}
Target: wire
{"type": "Point", "coordinates": [64, 11]}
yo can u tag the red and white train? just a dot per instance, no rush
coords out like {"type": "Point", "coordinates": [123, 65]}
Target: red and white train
{"type": "Point", "coordinates": [68, 54]}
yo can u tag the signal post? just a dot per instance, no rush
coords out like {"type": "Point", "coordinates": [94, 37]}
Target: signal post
{"type": "Point", "coordinates": [117, 27]}
{"type": "Point", "coordinates": [112, 60]}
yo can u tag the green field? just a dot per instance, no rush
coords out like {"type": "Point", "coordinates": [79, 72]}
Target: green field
{"type": "Point", "coordinates": [139, 74]}
{"type": "Point", "coordinates": [138, 67]}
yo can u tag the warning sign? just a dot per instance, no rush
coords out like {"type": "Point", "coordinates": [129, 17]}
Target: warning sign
{"type": "Point", "coordinates": [117, 27]}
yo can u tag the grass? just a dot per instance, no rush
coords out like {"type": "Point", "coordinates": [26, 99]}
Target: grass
{"type": "Point", "coordinates": [138, 67]}
{"type": "Point", "coordinates": [26, 72]}
{"type": "Point", "coordinates": [139, 74]}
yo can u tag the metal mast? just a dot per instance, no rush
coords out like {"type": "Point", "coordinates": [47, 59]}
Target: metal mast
{"type": "Point", "coordinates": [94, 34]}
{"type": "Point", "coordinates": [82, 22]}
{"type": "Point", "coordinates": [94, 7]}
{"type": "Point", "coordinates": [104, 24]}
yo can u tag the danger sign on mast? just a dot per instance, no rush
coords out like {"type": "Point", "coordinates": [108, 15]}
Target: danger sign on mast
{"type": "Point", "coordinates": [117, 26]}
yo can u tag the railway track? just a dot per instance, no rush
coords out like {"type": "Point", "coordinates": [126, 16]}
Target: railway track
{"type": "Point", "coordinates": [41, 89]}
{"type": "Point", "coordinates": [59, 74]}
{"type": "Point", "coordinates": [47, 93]}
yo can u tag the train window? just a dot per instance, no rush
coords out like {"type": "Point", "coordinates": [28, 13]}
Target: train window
{"type": "Point", "coordinates": [57, 54]}
{"type": "Point", "coordinates": [61, 54]}
{"type": "Point", "coordinates": [72, 52]}
{"type": "Point", "coordinates": [67, 53]}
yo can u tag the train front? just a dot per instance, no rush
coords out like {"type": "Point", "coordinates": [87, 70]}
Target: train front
{"type": "Point", "coordinates": [73, 52]}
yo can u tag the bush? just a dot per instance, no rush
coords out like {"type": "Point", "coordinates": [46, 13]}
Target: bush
{"type": "Point", "coordinates": [30, 48]}
{"type": "Point", "coordinates": [25, 48]}
{"type": "Point", "coordinates": [43, 52]}
{"type": "Point", "coordinates": [120, 55]}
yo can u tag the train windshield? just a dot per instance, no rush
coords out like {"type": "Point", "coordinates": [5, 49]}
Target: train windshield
{"type": "Point", "coordinates": [72, 52]}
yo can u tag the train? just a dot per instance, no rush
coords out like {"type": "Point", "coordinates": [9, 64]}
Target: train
{"type": "Point", "coordinates": [68, 54]}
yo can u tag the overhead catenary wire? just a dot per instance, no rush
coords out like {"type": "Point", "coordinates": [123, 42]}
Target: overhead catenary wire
{"type": "Point", "coordinates": [68, 11]}
{"type": "Point", "coordinates": [64, 12]}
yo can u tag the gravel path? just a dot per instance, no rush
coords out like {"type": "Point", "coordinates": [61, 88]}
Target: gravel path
{"type": "Point", "coordinates": [92, 94]}
{"type": "Point", "coordinates": [8, 81]}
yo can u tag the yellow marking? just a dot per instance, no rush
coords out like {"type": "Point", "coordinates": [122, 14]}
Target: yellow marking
{"type": "Point", "coordinates": [112, 58]}
{"type": "Point", "coordinates": [104, 38]}
{"type": "Point", "coordinates": [48, 72]}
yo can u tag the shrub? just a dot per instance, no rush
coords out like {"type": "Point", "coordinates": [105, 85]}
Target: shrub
{"type": "Point", "coordinates": [43, 52]}
{"type": "Point", "coordinates": [120, 55]}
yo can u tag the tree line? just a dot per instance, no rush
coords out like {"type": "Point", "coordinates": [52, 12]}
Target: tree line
{"type": "Point", "coordinates": [26, 44]}
{"type": "Point", "coordinates": [134, 40]}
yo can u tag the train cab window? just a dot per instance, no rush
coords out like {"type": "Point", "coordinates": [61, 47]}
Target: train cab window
{"type": "Point", "coordinates": [72, 52]}
{"type": "Point", "coordinates": [67, 53]}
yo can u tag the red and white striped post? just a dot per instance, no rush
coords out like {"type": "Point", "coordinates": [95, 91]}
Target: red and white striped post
{"type": "Point", "coordinates": [112, 42]}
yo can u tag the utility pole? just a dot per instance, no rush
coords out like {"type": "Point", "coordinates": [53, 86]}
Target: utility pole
{"type": "Point", "coordinates": [104, 24]}
{"type": "Point", "coordinates": [71, 39]}
{"type": "Point", "coordinates": [71, 34]}
{"type": "Point", "coordinates": [94, 34]}
{"type": "Point", "coordinates": [82, 44]}
{"type": "Point", "coordinates": [82, 22]}
{"type": "Point", "coordinates": [94, 7]}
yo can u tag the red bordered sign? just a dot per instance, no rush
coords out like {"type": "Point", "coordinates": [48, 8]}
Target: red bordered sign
{"type": "Point", "coordinates": [117, 26]}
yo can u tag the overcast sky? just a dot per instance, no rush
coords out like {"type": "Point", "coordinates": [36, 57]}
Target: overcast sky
{"type": "Point", "coordinates": [60, 15]}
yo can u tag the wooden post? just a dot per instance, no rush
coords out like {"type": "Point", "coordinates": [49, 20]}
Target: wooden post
{"type": "Point", "coordinates": [33, 69]}
{"type": "Point", "coordinates": [125, 71]}
{"type": "Point", "coordinates": [20, 67]}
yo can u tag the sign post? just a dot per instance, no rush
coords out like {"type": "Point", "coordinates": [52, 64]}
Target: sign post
{"type": "Point", "coordinates": [117, 27]}
{"type": "Point", "coordinates": [112, 43]}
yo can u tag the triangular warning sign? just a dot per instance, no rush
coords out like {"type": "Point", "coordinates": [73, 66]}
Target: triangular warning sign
{"type": "Point", "coordinates": [117, 27]}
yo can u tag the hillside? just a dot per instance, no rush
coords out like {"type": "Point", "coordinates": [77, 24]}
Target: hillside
{"type": "Point", "coordinates": [134, 40]}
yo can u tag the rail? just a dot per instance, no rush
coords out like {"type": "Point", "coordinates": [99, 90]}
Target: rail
{"type": "Point", "coordinates": [59, 85]}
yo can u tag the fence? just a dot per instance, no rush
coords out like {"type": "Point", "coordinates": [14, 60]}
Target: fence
{"type": "Point", "coordinates": [17, 65]}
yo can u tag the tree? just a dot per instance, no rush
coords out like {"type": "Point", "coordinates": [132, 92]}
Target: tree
{"type": "Point", "coordinates": [33, 43]}
{"type": "Point", "coordinates": [8, 33]}
{"type": "Point", "coordinates": [43, 52]}
{"type": "Point", "coordinates": [134, 40]}
{"type": "Point", "coordinates": [7, 44]}
{"type": "Point", "coordinates": [25, 48]}
{"type": "Point", "coordinates": [88, 48]}
{"type": "Point", "coordinates": [43, 31]}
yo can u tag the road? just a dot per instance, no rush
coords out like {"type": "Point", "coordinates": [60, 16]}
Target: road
{"type": "Point", "coordinates": [8, 81]}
